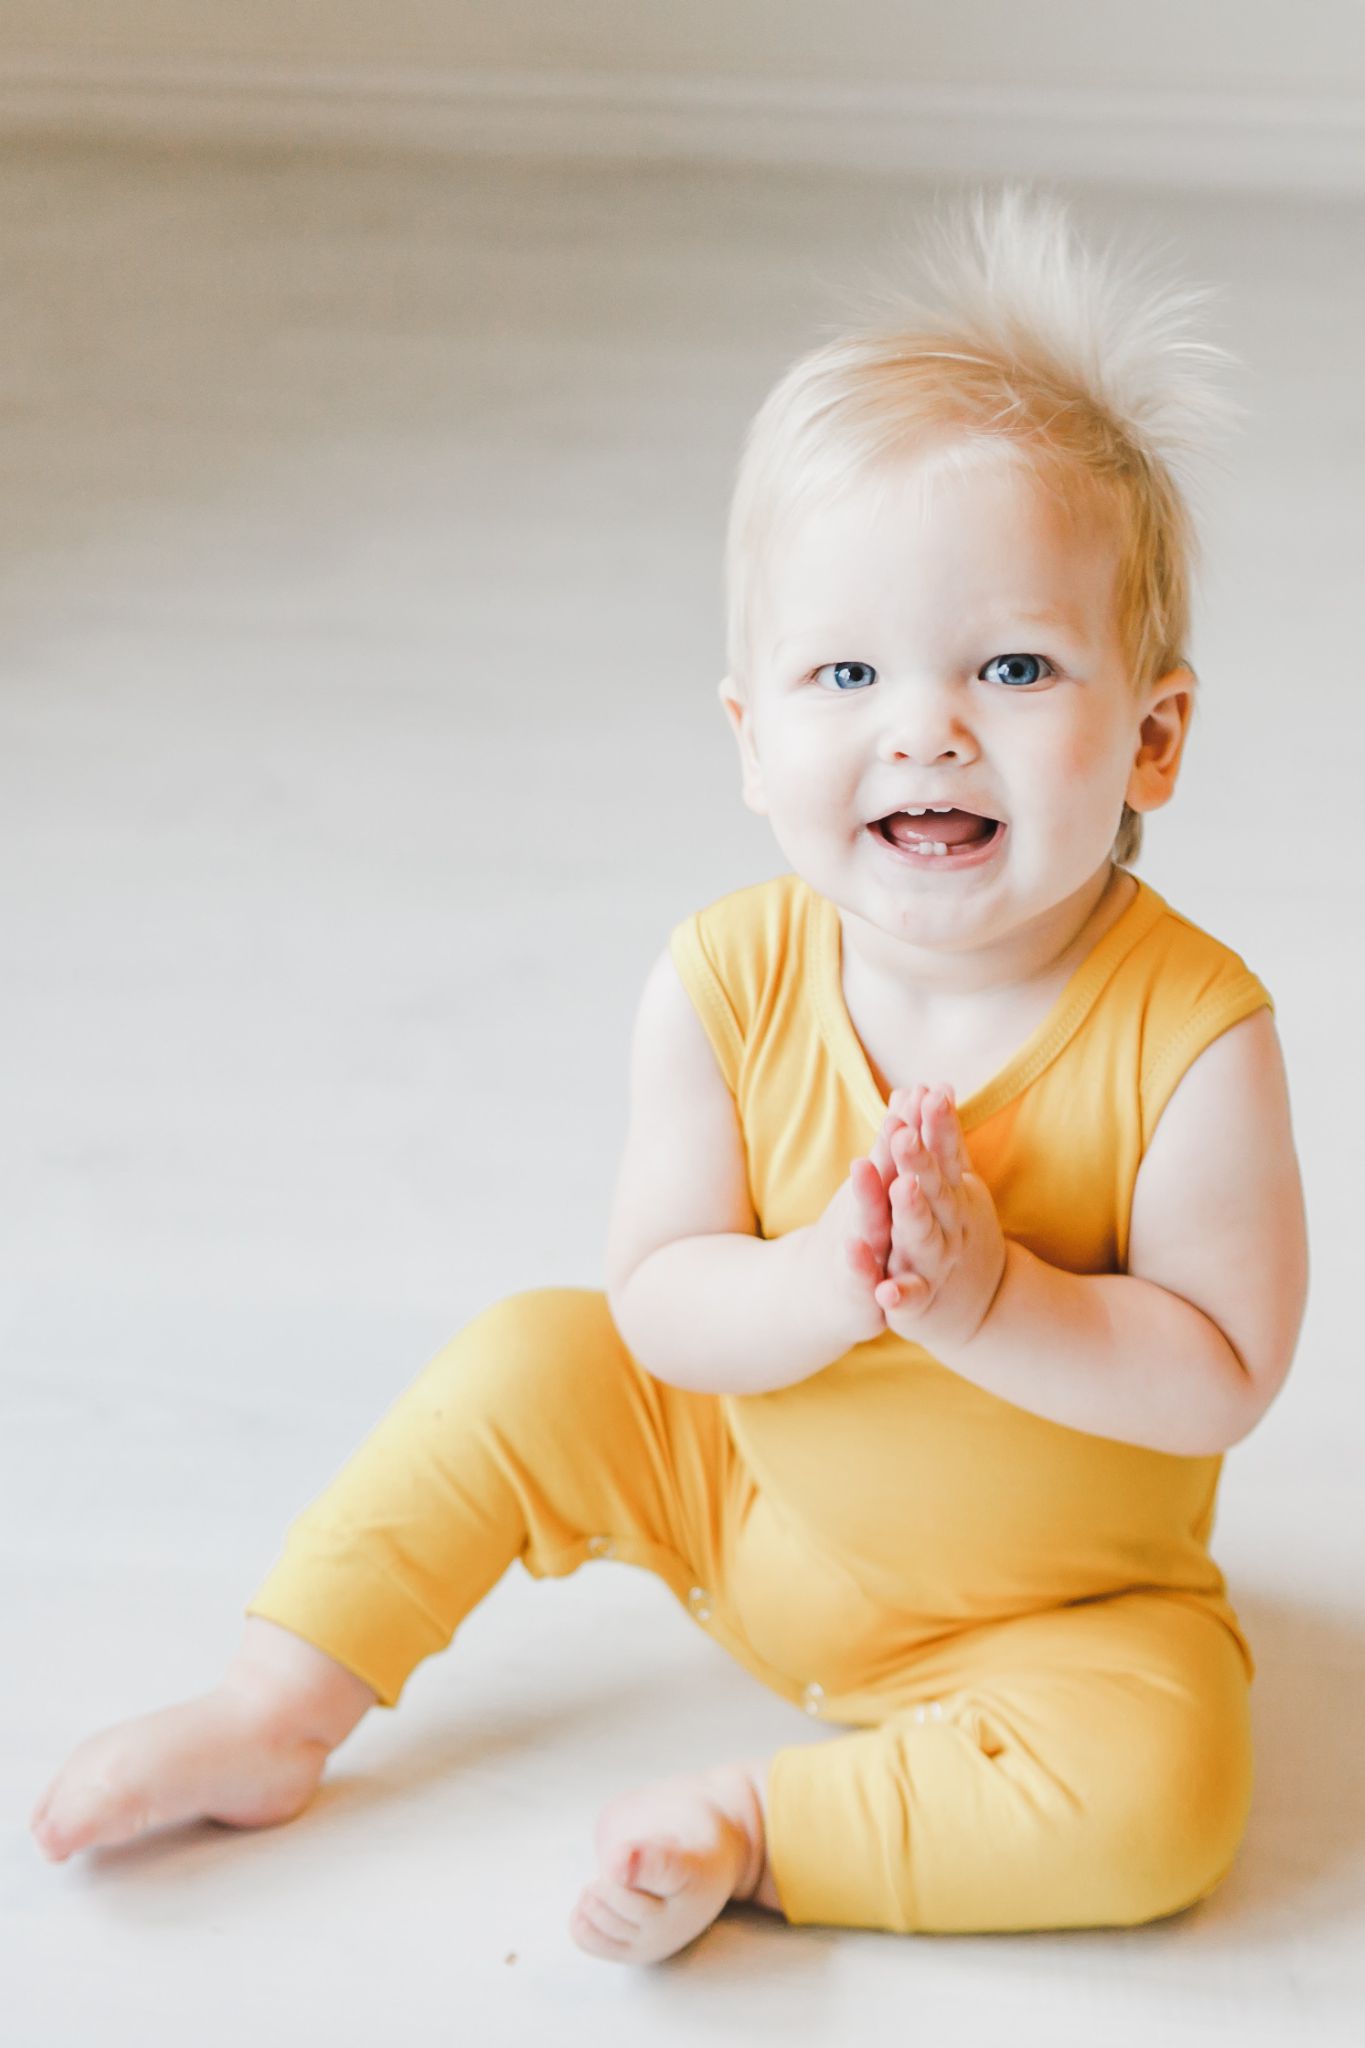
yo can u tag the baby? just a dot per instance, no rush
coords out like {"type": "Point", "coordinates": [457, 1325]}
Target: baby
{"type": "Point", "coordinates": [930, 1442]}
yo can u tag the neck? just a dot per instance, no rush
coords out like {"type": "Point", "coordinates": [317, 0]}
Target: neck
{"type": "Point", "coordinates": [928, 982]}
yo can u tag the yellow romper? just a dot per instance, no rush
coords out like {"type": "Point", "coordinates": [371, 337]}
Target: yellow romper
{"type": "Point", "coordinates": [1019, 1623]}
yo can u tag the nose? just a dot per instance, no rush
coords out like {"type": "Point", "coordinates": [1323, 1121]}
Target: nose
{"type": "Point", "coordinates": [925, 722]}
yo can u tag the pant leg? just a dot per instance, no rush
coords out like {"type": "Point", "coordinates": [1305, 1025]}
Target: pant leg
{"type": "Point", "coordinates": [1088, 1767]}
{"type": "Point", "coordinates": [532, 1435]}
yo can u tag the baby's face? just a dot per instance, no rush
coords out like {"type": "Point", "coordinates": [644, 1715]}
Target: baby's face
{"type": "Point", "coordinates": [905, 655]}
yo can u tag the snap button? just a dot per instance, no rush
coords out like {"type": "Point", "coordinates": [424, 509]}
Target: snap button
{"type": "Point", "coordinates": [699, 1600]}
{"type": "Point", "coordinates": [600, 1546]}
{"type": "Point", "coordinates": [812, 1696]}
{"type": "Point", "coordinates": [936, 1710]}
{"type": "Point", "coordinates": [919, 1713]}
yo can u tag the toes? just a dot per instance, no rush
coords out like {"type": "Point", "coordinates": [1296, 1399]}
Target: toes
{"type": "Point", "coordinates": [655, 1869]}
{"type": "Point", "coordinates": [660, 1868]}
{"type": "Point", "coordinates": [50, 1841]}
{"type": "Point", "coordinates": [591, 1939]}
{"type": "Point", "coordinates": [672, 1895]}
{"type": "Point", "coordinates": [82, 1823]}
{"type": "Point", "coordinates": [596, 1907]}
{"type": "Point", "coordinates": [56, 1838]}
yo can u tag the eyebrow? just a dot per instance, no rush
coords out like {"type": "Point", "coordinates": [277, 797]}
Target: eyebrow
{"type": "Point", "coordinates": [1047, 617]}
{"type": "Point", "coordinates": [1050, 616]}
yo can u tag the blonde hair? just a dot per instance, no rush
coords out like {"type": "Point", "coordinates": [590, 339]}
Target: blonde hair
{"type": "Point", "coordinates": [1026, 344]}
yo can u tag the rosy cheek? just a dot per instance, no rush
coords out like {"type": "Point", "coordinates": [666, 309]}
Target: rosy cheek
{"type": "Point", "coordinates": [1083, 745]}
{"type": "Point", "coordinates": [1085, 767]}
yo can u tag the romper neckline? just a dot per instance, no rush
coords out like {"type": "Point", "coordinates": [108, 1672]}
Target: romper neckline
{"type": "Point", "coordinates": [823, 949]}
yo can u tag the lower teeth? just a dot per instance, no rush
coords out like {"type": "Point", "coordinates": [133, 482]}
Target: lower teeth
{"type": "Point", "coordinates": [934, 848]}
{"type": "Point", "coordinates": [928, 846]}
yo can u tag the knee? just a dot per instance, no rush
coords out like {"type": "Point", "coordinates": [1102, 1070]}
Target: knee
{"type": "Point", "coordinates": [1184, 1810]}
{"type": "Point", "coordinates": [538, 1341]}
{"type": "Point", "coordinates": [540, 1322]}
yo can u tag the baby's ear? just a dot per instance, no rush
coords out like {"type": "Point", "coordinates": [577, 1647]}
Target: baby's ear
{"type": "Point", "coordinates": [732, 699]}
{"type": "Point", "coordinates": [738, 714]}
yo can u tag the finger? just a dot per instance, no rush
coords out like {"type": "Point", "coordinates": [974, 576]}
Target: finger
{"type": "Point", "coordinates": [906, 1103]}
{"type": "Point", "coordinates": [873, 1208]}
{"type": "Point", "coordinates": [882, 1156]}
{"type": "Point", "coordinates": [943, 1130]}
{"type": "Point", "coordinates": [863, 1262]}
{"type": "Point", "coordinates": [917, 1248]}
{"type": "Point", "coordinates": [859, 1255]}
{"type": "Point", "coordinates": [943, 1194]}
{"type": "Point", "coordinates": [868, 1187]}
{"type": "Point", "coordinates": [912, 1155]}
{"type": "Point", "coordinates": [906, 1292]}
{"type": "Point", "coordinates": [913, 1216]}
{"type": "Point", "coordinates": [945, 1203]}
{"type": "Point", "coordinates": [901, 1238]}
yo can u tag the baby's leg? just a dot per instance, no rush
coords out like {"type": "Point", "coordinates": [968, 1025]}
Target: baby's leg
{"type": "Point", "coordinates": [531, 1435]}
{"type": "Point", "coordinates": [249, 1753]}
{"type": "Point", "coordinates": [1089, 1766]}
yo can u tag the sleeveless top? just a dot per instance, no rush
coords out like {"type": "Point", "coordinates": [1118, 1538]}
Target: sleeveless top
{"type": "Point", "coordinates": [950, 1505]}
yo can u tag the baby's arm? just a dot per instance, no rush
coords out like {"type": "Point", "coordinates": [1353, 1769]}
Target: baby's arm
{"type": "Point", "coordinates": [727, 1314]}
{"type": "Point", "coordinates": [1186, 1350]}
{"type": "Point", "coordinates": [733, 1313]}
{"type": "Point", "coordinates": [702, 1299]}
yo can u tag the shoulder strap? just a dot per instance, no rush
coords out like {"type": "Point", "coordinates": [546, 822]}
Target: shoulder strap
{"type": "Point", "coordinates": [1205, 989]}
{"type": "Point", "coordinates": [728, 956]}
{"type": "Point", "coordinates": [691, 945]}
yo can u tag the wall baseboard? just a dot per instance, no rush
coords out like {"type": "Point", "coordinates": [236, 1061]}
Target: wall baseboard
{"type": "Point", "coordinates": [1237, 142]}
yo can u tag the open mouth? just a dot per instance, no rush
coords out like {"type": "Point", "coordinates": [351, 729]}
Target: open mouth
{"type": "Point", "coordinates": [949, 839]}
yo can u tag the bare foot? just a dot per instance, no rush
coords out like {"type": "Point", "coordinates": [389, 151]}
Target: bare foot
{"type": "Point", "coordinates": [672, 1855]}
{"type": "Point", "coordinates": [211, 1758]}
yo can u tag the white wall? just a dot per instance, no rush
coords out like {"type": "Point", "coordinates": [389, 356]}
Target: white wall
{"type": "Point", "coordinates": [1242, 94]}
{"type": "Point", "coordinates": [1272, 46]}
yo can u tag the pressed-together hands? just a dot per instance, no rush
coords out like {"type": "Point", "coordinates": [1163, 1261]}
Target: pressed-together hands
{"type": "Point", "coordinates": [918, 1238]}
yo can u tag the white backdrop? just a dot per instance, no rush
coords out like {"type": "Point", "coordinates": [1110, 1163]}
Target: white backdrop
{"type": "Point", "coordinates": [1225, 46]}
{"type": "Point", "coordinates": [1254, 94]}
{"type": "Point", "coordinates": [355, 496]}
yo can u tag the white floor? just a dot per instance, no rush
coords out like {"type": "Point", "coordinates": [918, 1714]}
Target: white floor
{"type": "Point", "coordinates": [361, 622]}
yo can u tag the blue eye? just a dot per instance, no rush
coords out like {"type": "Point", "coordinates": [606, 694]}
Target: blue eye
{"type": "Point", "coordinates": [1014, 660]}
{"type": "Point", "coordinates": [846, 669]}
{"type": "Point", "coordinates": [856, 675]}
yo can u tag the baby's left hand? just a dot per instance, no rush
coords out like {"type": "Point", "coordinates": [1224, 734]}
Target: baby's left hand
{"type": "Point", "coordinates": [947, 1252]}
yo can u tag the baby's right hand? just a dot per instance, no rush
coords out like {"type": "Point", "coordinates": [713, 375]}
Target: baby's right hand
{"type": "Point", "coordinates": [854, 1235]}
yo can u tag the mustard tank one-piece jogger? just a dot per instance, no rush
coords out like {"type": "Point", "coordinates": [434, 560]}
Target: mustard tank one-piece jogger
{"type": "Point", "coordinates": [1040, 1686]}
